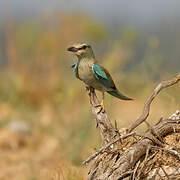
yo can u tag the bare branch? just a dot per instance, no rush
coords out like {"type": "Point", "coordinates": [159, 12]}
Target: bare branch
{"type": "Point", "coordinates": [147, 105]}
{"type": "Point", "coordinates": [107, 131]}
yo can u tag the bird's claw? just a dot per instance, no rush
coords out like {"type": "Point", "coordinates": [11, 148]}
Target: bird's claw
{"type": "Point", "coordinates": [102, 109]}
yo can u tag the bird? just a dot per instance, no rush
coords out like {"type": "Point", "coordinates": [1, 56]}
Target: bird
{"type": "Point", "coordinates": [94, 75]}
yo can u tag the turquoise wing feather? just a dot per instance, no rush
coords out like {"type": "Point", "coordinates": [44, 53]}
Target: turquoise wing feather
{"type": "Point", "coordinates": [75, 67]}
{"type": "Point", "coordinates": [103, 76]}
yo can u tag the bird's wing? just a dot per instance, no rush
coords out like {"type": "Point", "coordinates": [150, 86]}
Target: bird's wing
{"type": "Point", "coordinates": [75, 67]}
{"type": "Point", "coordinates": [103, 76]}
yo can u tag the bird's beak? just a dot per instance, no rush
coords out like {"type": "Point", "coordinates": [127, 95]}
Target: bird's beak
{"type": "Point", "coordinates": [72, 49]}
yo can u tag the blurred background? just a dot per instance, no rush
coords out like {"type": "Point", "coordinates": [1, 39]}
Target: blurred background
{"type": "Point", "coordinates": [46, 125]}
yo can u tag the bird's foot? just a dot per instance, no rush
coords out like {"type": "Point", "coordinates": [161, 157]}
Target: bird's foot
{"type": "Point", "coordinates": [102, 109]}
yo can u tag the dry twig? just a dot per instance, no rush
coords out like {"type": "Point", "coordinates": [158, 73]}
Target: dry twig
{"type": "Point", "coordinates": [135, 170]}
{"type": "Point", "coordinates": [144, 162]}
{"type": "Point", "coordinates": [102, 149]}
{"type": "Point", "coordinates": [173, 152]}
{"type": "Point", "coordinates": [147, 105]}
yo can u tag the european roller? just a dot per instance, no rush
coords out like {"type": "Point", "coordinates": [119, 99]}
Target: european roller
{"type": "Point", "coordinates": [88, 70]}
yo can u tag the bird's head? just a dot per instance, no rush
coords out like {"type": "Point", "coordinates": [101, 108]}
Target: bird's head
{"type": "Point", "coordinates": [82, 50]}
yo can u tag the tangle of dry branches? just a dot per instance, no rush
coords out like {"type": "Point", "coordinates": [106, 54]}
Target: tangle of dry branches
{"type": "Point", "coordinates": [133, 156]}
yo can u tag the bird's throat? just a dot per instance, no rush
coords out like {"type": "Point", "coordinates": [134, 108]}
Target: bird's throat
{"type": "Point", "coordinates": [87, 60]}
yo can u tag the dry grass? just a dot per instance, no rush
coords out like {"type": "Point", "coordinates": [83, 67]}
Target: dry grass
{"type": "Point", "coordinates": [49, 148]}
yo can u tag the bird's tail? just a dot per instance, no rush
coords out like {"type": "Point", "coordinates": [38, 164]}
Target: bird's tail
{"type": "Point", "coordinates": [119, 95]}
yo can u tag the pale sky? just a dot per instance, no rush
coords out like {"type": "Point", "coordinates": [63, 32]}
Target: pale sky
{"type": "Point", "coordinates": [132, 11]}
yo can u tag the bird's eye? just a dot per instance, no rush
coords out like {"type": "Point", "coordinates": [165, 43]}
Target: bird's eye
{"type": "Point", "coordinates": [83, 47]}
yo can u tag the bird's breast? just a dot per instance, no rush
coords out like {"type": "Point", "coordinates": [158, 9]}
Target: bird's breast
{"type": "Point", "coordinates": [85, 72]}
{"type": "Point", "coordinates": [86, 75]}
